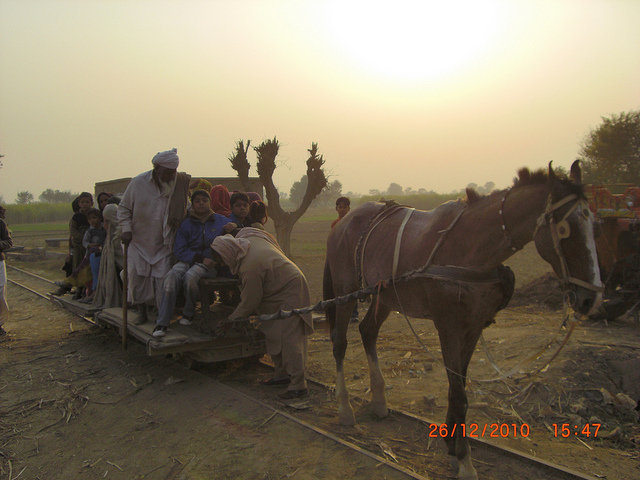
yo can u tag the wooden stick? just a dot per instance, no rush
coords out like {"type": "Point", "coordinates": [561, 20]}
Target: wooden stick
{"type": "Point", "coordinates": [125, 288]}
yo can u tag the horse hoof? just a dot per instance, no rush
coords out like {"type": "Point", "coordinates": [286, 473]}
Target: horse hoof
{"type": "Point", "coordinates": [380, 410]}
{"type": "Point", "coordinates": [466, 470]}
{"type": "Point", "coordinates": [472, 475]}
{"type": "Point", "coordinates": [347, 418]}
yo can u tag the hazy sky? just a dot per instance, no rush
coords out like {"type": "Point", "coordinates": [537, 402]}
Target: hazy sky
{"type": "Point", "coordinates": [427, 94]}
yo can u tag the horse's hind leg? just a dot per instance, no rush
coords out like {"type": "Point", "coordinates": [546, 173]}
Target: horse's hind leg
{"type": "Point", "coordinates": [346, 415]}
{"type": "Point", "coordinates": [369, 328]}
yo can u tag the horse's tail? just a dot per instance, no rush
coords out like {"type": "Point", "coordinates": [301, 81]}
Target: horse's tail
{"type": "Point", "coordinates": [327, 294]}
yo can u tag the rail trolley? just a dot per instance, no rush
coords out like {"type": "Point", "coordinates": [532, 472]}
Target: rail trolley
{"type": "Point", "coordinates": [197, 342]}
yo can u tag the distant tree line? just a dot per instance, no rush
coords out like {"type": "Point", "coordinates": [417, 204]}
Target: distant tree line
{"type": "Point", "coordinates": [48, 196]}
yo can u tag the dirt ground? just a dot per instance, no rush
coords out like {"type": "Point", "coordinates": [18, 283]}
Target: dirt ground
{"type": "Point", "coordinates": [74, 405]}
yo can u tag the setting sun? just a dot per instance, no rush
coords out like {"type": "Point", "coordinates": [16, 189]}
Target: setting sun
{"type": "Point", "coordinates": [412, 41]}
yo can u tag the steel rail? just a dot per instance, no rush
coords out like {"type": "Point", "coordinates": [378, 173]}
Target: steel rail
{"type": "Point", "coordinates": [49, 299]}
{"type": "Point", "coordinates": [326, 434]}
{"type": "Point", "coordinates": [567, 473]}
{"type": "Point", "coordinates": [28, 289]}
{"type": "Point", "coordinates": [30, 274]}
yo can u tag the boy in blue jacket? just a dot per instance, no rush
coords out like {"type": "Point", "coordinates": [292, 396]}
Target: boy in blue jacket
{"type": "Point", "coordinates": [193, 254]}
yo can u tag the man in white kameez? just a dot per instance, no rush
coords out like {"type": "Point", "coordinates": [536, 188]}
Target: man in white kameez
{"type": "Point", "coordinates": [271, 282]}
{"type": "Point", "coordinates": [151, 210]}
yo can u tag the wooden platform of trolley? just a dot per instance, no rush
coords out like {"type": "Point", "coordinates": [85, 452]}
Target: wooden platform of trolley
{"type": "Point", "coordinates": [197, 341]}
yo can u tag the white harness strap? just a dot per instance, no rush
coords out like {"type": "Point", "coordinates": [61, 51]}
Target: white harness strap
{"type": "Point", "coordinates": [396, 252]}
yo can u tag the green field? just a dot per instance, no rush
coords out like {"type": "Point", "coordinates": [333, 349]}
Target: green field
{"type": "Point", "coordinates": [48, 227]}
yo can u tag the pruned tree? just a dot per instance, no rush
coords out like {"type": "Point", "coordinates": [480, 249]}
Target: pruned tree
{"type": "Point", "coordinates": [24, 197]}
{"type": "Point", "coordinates": [284, 221]}
{"type": "Point", "coordinates": [611, 152]}
{"type": "Point", "coordinates": [240, 164]}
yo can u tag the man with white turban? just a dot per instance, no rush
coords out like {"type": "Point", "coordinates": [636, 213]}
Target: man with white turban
{"type": "Point", "coordinates": [151, 210]}
{"type": "Point", "coordinates": [271, 282]}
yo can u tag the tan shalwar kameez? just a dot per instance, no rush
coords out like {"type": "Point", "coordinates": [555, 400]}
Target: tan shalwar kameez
{"type": "Point", "coordinates": [271, 282]}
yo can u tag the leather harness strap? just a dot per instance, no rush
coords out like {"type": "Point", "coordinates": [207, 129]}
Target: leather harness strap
{"type": "Point", "coordinates": [560, 230]}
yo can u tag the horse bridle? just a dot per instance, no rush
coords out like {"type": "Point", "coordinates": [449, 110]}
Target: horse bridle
{"type": "Point", "coordinates": [561, 230]}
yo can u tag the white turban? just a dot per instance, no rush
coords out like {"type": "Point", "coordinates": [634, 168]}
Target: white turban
{"type": "Point", "coordinates": [168, 159]}
{"type": "Point", "coordinates": [232, 250]}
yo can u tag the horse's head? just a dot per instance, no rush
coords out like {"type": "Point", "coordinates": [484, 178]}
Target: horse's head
{"type": "Point", "coordinates": [564, 237]}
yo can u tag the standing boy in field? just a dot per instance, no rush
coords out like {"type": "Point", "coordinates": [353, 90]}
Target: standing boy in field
{"type": "Point", "coordinates": [343, 205]}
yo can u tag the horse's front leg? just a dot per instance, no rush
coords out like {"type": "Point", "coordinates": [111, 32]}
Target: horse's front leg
{"type": "Point", "coordinates": [369, 328]}
{"type": "Point", "coordinates": [346, 415]}
{"type": "Point", "coordinates": [457, 349]}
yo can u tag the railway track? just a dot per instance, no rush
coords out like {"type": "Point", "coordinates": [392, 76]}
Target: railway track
{"type": "Point", "coordinates": [406, 443]}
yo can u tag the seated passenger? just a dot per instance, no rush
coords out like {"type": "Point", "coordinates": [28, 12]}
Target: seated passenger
{"type": "Point", "coordinates": [102, 199]}
{"type": "Point", "coordinates": [254, 197]}
{"type": "Point", "coordinates": [193, 251]}
{"type": "Point", "coordinates": [258, 212]}
{"type": "Point", "coordinates": [108, 290]}
{"type": "Point", "coordinates": [199, 184]}
{"type": "Point", "coordinates": [220, 200]}
{"type": "Point", "coordinates": [239, 212]}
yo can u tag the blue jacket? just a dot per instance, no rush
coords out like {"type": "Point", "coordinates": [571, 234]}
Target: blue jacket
{"type": "Point", "coordinates": [194, 238]}
{"type": "Point", "coordinates": [246, 223]}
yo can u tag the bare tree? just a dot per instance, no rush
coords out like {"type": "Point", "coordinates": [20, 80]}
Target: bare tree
{"type": "Point", "coordinates": [284, 221]}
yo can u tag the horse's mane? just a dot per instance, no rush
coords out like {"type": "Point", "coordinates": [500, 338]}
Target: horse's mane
{"type": "Point", "coordinates": [525, 178]}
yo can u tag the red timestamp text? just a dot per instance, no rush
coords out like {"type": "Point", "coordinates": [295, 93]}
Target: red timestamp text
{"type": "Point", "coordinates": [474, 430]}
{"type": "Point", "coordinates": [568, 429]}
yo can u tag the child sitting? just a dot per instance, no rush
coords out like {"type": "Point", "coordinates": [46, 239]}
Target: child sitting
{"type": "Point", "coordinates": [239, 212]}
{"type": "Point", "coordinates": [258, 212]}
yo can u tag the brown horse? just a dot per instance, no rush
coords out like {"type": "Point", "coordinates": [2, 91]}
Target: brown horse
{"type": "Point", "coordinates": [447, 266]}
